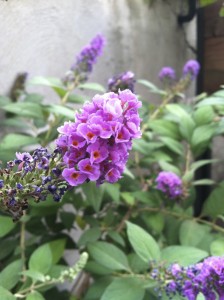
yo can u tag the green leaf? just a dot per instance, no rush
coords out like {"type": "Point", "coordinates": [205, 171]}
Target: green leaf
{"type": "Point", "coordinates": [184, 255]}
{"type": "Point", "coordinates": [221, 12]}
{"type": "Point", "coordinates": [108, 256]}
{"type": "Point", "coordinates": [202, 134]}
{"type": "Point", "coordinates": [76, 98]}
{"type": "Point", "coordinates": [213, 205]}
{"type": "Point", "coordinates": [9, 276]}
{"type": "Point", "coordinates": [203, 182]}
{"type": "Point", "coordinates": [47, 81]}
{"type": "Point", "coordinates": [25, 109]}
{"type": "Point", "coordinates": [15, 140]}
{"type": "Point", "coordinates": [137, 264]}
{"type": "Point", "coordinates": [172, 145]}
{"type": "Point", "coordinates": [6, 295]}
{"type": "Point", "coordinates": [68, 219]}
{"type": "Point", "coordinates": [34, 98]}
{"type": "Point", "coordinates": [97, 288]}
{"type": "Point", "coordinates": [165, 166]}
{"type": "Point", "coordinates": [90, 235]}
{"type": "Point", "coordinates": [57, 249]}
{"type": "Point", "coordinates": [6, 225]}
{"type": "Point", "coordinates": [206, 2]}
{"type": "Point", "coordinates": [191, 233]}
{"type": "Point", "coordinates": [94, 194]}
{"type": "Point", "coordinates": [35, 296]}
{"type": "Point", "coordinates": [36, 276]}
{"type": "Point", "coordinates": [196, 165]}
{"type": "Point", "coordinates": [217, 247]}
{"type": "Point", "coordinates": [4, 100]}
{"type": "Point", "coordinates": [95, 268]}
{"type": "Point", "coordinates": [204, 115]}
{"type": "Point", "coordinates": [113, 190]}
{"type": "Point", "coordinates": [7, 246]}
{"type": "Point", "coordinates": [177, 110]}
{"type": "Point", "coordinates": [41, 259]}
{"type": "Point", "coordinates": [128, 198]}
{"type": "Point", "coordinates": [124, 289]}
{"type": "Point", "coordinates": [165, 128]}
{"type": "Point", "coordinates": [116, 237]}
{"type": "Point", "coordinates": [142, 242]}
{"type": "Point", "coordinates": [151, 87]}
{"type": "Point", "coordinates": [92, 86]}
{"type": "Point", "coordinates": [187, 126]}
{"type": "Point", "coordinates": [211, 101]}
{"type": "Point", "coordinates": [61, 110]}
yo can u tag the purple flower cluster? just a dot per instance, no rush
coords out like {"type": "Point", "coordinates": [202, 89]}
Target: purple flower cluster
{"type": "Point", "coordinates": [167, 73]}
{"type": "Point", "coordinates": [122, 82]}
{"type": "Point", "coordinates": [206, 278]}
{"type": "Point", "coordinates": [170, 184]}
{"type": "Point", "coordinates": [85, 61]}
{"type": "Point", "coordinates": [31, 176]}
{"type": "Point", "coordinates": [96, 145]}
{"type": "Point", "coordinates": [191, 68]}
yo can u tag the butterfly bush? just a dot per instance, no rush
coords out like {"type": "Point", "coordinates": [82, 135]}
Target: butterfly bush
{"type": "Point", "coordinates": [206, 278]}
{"type": "Point", "coordinates": [85, 60]}
{"type": "Point", "coordinates": [191, 68]}
{"type": "Point", "coordinates": [122, 81]}
{"type": "Point", "coordinates": [167, 73]}
{"type": "Point", "coordinates": [96, 146]}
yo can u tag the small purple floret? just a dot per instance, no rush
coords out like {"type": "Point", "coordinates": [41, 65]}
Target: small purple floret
{"type": "Point", "coordinates": [170, 184]}
{"type": "Point", "coordinates": [167, 73]}
{"type": "Point", "coordinates": [122, 82]}
{"type": "Point", "coordinates": [191, 68]}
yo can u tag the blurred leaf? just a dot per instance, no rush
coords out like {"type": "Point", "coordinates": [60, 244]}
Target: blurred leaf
{"type": "Point", "coordinates": [6, 295]}
{"type": "Point", "coordinates": [165, 166]}
{"type": "Point", "coordinates": [187, 126]}
{"type": "Point", "coordinates": [92, 86]}
{"type": "Point", "coordinates": [16, 140]}
{"type": "Point", "coordinates": [137, 264]}
{"type": "Point", "coordinates": [217, 247]}
{"type": "Point", "coordinates": [6, 225]}
{"type": "Point", "coordinates": [128, 198]}
{"type": "Point", "coordinates": [76, 98]}
{"type": "Point", "coordinates": [35, 98]}
{"type": "Point", "coordinates": [203, 182]}
{"type": "Point", "coordinates": [172, 145]}
{"type": "Point", "coordinates": [35, 296]}
{"type": "Point", "coordinates": [68, 219]}
{"type": "Point", "coordinates": [202, 134]}
{"type": "Point", "coordinates": [47, 81]}
{"type": "Point", "coordinates": [116, 237]}
{"type": "Point", "coordinates": [151, 87]}
{"type": "Point", "coordinates": [108, 256]}
{"type": "Point", "coordinates": [36, 276]}
{"type": "Point", "coordinates": [184, 255]}
{"type": "Point", "coordinates": [95, 268]}
{"type": "Point", "coordinates": [90, 235]}
{"type": "Point", "coordinates": [113, 190]}
{"type": "Point", "coordinates": [213, 205]}
{"type": "Point", "coordinates": [10, 275]}
{"type": "Point", "coordinates": [94, 194]}
{"type": "Point", "coordinates": [97, 288]}
{"type": "Point", "coordinates": [57, 249]}
{"type": "Point", "coordinates": [221, 12]}
{"type": "Point", "coordinates": [4, 100]}
{"type": "Point", "coordinates": [165, 128]}
{"type": "Point", "coordinates": [61, 110]}
{"type": "Point", "coordinates": [204, 115]}
{"type": "Point", "coordinates": [191, 233]}
{"type": "Point", "coordinates": [142, 242]}
{"type": "Point", "coordinates": [7, 246]}
{"type": "Point", "coordinates": [211, 101]}
{"type": "Point", "coordinates": [124, 289]}
{"type": "Point", "coordinates": [25, 109]}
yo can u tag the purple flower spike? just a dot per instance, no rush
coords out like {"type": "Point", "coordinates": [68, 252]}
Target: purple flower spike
{"type": "Point", "coordinates": [97, 144]}
{"type": "Point", "coordinates": [85, 60]}
{"type": "Point", "coordinates": [167, 73]}
{"type": "Point", "coordinates": [191, 68]}
{"type": "Point", "coordinates": [122, 82]}
{"type": "Point", "coordinates": [170, 184]}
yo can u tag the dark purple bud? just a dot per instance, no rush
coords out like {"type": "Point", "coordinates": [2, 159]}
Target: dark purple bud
{"type": "Point", "coordinates": [1, 183]}
{"type": "Point", "coordinates": [52, 188]}
{"type": "Point", "coordinates": [19, 186]}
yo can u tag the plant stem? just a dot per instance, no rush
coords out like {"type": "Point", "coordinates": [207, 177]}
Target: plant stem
{"type": "Point", "coordinates": [183, 217]}
{"type": "Point", "coordinates": [23, 247]}
{"type": "Point", "coordinates": [125, 218]}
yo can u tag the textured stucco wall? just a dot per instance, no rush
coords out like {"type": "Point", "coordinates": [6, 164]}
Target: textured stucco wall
{"type": "Point", "coordinates": [43, 37]}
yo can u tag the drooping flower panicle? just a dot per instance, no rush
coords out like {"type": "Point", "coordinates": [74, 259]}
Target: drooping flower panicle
{"type": "Point", "coordinates": [122, 82]}
{"type": "Point", "coordinates": [170, 184]}
{"type": "Point", "coordinates": [85, 61]}
{"type": "Point", "coordinates": [96, 146]}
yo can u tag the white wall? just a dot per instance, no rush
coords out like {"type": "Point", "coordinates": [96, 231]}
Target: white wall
{"type": "Point", "coordinates": [43, 37]}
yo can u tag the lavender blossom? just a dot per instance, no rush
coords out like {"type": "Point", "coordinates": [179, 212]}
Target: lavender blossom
{"type": "Point", "coordinates": [167, 73]}
{"type": "Point", "coordinates": [191, 68]}
{"type": "Point", "coordinates": [95, 147]}
{"type": "Point", "coordinates": [85, 61]}
{"type": "Point", "coordinates": [170, 184]}
{"type": "Point", "coordinates": [122, 82]}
